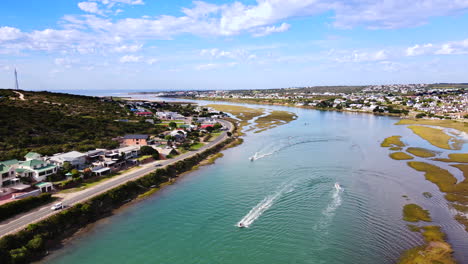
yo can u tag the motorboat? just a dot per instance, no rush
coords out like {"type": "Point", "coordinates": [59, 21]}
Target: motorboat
{"type": "Point", "coordinates": [240, 225]}
{"type": "Point", "coordinates": [337, 186]}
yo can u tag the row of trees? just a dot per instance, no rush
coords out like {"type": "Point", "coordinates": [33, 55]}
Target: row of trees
{"type": "Point", "coordinates": [11, 209]}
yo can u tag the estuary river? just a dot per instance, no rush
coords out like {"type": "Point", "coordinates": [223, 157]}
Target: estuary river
{"type": "Point", "coordinates": [286, 197]}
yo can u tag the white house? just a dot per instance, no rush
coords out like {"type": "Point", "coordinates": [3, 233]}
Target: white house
{"type": "Point", "coordinates": [75, 158]}
{"type": "Point", "coordinates": [38, 169]}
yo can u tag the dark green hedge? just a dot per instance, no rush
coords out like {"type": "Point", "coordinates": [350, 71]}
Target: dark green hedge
{"type": "Point", "coordinates": [31, 243]}
{"type": "Point", "coordinates": [17, 207]}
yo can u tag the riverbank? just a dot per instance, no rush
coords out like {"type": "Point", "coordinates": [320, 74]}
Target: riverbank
{"type": "Point", "coordinates": [33, 242]}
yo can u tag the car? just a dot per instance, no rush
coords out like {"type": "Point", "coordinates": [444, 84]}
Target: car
{"type": "Point", "coordinates": [158, 165]}
{"type": "Point", "coordinates": [57, 206]}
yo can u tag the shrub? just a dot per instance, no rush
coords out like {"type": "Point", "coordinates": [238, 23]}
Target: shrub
{"type": "Point", "coordinates": [17, 207]}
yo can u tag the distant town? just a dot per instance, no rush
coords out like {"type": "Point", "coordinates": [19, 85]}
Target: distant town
{"type": "Point", "coordinates": [444, 101]}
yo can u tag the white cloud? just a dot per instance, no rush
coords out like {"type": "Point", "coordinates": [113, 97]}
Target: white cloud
{"type": "Point", "coordinates": [128, 48]}
{"type": "Point", "coordinates": [211, 66]}
{"type": "Point", "coordinates": [360, 56]}
{"type": "Point", "coordinates": [263, 31]}
{"type": "Point", "coordinates": [151, 61]}
{"type": "Point", "coordinates": [419, 49]}
{"type": "Point", "coordinates": [130, 58]}
{"type": "Point", "coordinates": [9, 34]}
{"type": "Point", "coordinates": [90, 7]}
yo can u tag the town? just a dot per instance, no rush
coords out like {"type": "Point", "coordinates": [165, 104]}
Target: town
{"type": "Point", "coordinates": [178, 133]}
{"type": "Point", "coordinates": [444, 101]}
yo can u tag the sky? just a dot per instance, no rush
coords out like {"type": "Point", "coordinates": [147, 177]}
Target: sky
{"type": "Point", "coordinates": [244, 44]}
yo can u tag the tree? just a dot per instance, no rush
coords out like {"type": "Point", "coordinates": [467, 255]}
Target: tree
{"type": "Point", "coordinates": [209, 129]}
{"type": "Point", "coordinates": [217, 126]}
{"type": "Point", "coordinates": [67, 167]}
{"type": "Point", "coordinates": [155, 155]}
{"type": "Point", "coordinates": [229, 134]}
{"type": "Point", "coordinates": [147, 150]}
{"type": "Point", "coordinates": [173, 125]}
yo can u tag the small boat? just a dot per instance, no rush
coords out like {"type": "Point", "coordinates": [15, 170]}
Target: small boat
{"type": "Point", "coordinates": [337, 186]}
{"type": "Point", "coordinates": [251, 158]}
{"type": "Point", "coordinates": [240, 225]}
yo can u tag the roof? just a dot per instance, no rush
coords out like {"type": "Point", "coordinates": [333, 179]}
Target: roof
{"type": "Point", "coordinates": [48, 167]}
{"type": "Point", "coordinates": [136, 137]}
{"type": "Point", "coordinates": [144, 113]}
{"type": "Point", "coordinates": [3, 168]}
{"type": "Point", "coordinates": [32, 163]}
{"type": "Point", "coordinates": [44, 184]}
{"type": "Point", "coordinates": [21, 170]}
{"type": "Point", "coordinates": [68, 156]}
{"type": "Point", "coordinates": [100, 170]}
{"type": "Point", "coordinates": [9, 162]}
{"type": "Point", "coordinates": [32, 155]}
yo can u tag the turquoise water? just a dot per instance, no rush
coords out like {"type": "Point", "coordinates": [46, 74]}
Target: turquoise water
{"type": "Point", "coordinates": [286, 197]}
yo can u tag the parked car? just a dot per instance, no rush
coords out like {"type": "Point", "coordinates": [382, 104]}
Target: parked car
{"type": "Point", "coordinates": [158, 165]}
{"type": "Point", "coordinates": [57, 206]}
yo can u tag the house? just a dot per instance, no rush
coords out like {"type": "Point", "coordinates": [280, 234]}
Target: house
{"type": "Point", "coordinates": [38, 169]}
{"type": "Point", "coordinates": [32, 155]}
{"type": "Point", "coordinates": [179, 135]}
{"type": "Point", "coordinates": [138, 140]}
{"type": "Point", "coordinates": [75, 158]}
{"type": "Point", "coordinates": [130, 152]}
{"type": "Point", "coordinates": [7, 172]}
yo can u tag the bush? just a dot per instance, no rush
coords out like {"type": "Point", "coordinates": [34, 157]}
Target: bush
{"type": "Point", "coordinates": [17, 207]}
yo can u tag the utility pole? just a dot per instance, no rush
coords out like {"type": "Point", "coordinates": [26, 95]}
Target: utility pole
{"type": "Point", "coordinates": [16, 81]}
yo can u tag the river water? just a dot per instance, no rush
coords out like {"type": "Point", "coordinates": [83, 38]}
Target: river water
{"type": "Point", "coordinates": [287, 199]}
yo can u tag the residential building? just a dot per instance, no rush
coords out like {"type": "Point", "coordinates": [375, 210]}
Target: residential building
{"type": "Point", "coordinates": [135, 140]}
{"type": "Point", "coordinates": [7, 173]}
{"type": "Point", "coordinates": [75, 158]}
{"type": "Point", "coordinates": [38, 169]}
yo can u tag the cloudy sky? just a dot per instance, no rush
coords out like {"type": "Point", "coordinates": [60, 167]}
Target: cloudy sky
{"type": "Point", "coordinates": [178, 44]}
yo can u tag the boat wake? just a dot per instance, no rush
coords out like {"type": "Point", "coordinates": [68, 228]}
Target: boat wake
{"type": "Point", "coordinates": [329, 211]}
{"type": "Point", "coordinates": [261, 207]}
{"type": "Point", "coordinates": [290, 143]}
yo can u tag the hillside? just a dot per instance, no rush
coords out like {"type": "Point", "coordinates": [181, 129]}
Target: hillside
{"type": "Point", "coordinates": [52, 122]}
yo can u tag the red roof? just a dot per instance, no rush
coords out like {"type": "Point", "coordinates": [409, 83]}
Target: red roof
{"type": "Point", "coordinates": [205, 126]}
{"type": "Point", "coordinates": [144, 113]}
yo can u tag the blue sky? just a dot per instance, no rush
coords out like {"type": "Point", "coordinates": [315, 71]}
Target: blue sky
{"type": "Point", "coordinates": [179, 44]}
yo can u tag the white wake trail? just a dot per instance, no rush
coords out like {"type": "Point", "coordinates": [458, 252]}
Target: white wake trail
{"type": "Point", "coordinates": [329, 211]}
{"type": "Point", "coordinates": [261, 207]}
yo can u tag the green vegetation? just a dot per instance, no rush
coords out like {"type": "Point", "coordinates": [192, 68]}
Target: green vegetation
{"type": "Point", "coordinates": [393, 141]}
{"type": "Point", "coordinates": [435, 136]}
{"type": "Point", "coordinates": [442, 178]}
{"type": "Point", "coordinates": [415, 213]}
{"type": "Point", "coordinates": [244, 114]}
{"type": "Point", "coordinates": [421, 152]}
{"type": "Point", "coordinates": [11, 209]}
{"type": "Point", "coordinates": [435, 251]}
{"type": "Point", "coordinates": [400, 156]}
{"type": "Point", "coordinates": [196, 146]}
{"type": "Point", "coordinates": [274, 119]}
{"type": "Point", "coordinates": [461, 126]}
{"type": "Point", "coordinates": [49, 123]}
{"type": "Point", "coordinates": [456, 157]}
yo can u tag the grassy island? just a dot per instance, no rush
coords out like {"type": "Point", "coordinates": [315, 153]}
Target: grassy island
{"type": "Point", "coordinates": [393, 141]}
{"type": "Point", "coordinates": [456, 157]}
{"type": "Point", "coordinates": [400, 156]}
{"type": "Point", "coordinates": [435, 250]}
{"type": "Point", "coordinates": [415, 213]}
{"type": "Point", "coordinates": [421, 152]}
{"type": "Point", "coordinates": [435, 136]}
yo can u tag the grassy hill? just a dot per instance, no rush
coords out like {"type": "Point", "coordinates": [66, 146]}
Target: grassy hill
{"type": "Point", "coordinates": [53, 122]}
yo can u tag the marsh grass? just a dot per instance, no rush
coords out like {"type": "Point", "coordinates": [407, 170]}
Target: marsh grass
{"type": "Point", "coordinates": [274, 119]}
{"type": "Point", "coordinates": [400, 156]}
{"type": "Point", "coordinates": [456, 157]}
{"type": "Point", "coordinates": [461, 126]}
{"type": "Point", "coordinates": [393, 141]}
{"type": "Point", "coordinates": [415, 213]}
{"type": "Point", "coordinates": [421, 152]}
{"type": "Point", "coordinates": [434, 136]}
{"type": "Point", "coordinates": [435, 250]}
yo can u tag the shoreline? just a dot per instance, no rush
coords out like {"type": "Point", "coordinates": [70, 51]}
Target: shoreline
{"type": "Point", "coordinates": [153, 193]}
{"type": "Point", "coordinates": [54, 231]}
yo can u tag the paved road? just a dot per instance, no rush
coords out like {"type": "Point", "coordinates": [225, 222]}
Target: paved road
{"type": "Point", "coordinates": [81, 196]}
